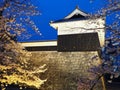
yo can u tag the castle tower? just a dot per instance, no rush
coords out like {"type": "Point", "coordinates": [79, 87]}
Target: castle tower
{"type": "Point", "coordinates": [77, 32]}
{"type": "Point", "coordinates": [65, 57]}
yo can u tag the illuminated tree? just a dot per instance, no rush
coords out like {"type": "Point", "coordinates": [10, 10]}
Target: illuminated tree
{"type": "Point", "coordinates": [16, 66]}
{"type": "Point", "coordinates": [110, 53]}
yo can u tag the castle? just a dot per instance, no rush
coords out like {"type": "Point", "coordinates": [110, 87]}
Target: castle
{"type": "Point", "coordinates": [69, 57]}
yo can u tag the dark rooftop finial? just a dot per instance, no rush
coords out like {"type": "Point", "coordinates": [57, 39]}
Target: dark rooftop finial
{"type": "Point", "coordinates": [77, 7]}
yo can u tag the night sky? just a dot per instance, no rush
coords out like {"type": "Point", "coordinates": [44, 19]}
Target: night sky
{"type": "Point", "coordinates": [52, 10]}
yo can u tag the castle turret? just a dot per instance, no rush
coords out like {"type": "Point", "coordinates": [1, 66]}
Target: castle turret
{"type": "Point", "coordinates": [77, 32]}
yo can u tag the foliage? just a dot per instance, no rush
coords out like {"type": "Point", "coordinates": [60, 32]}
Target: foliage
{"type": "Point", "coordinates": [16, 66]}
{"type": "Point", "coordinates": [110, 53]}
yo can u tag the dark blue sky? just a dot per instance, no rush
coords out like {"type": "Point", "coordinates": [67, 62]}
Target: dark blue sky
{"type": "Point", "coordinates": [52, 10]}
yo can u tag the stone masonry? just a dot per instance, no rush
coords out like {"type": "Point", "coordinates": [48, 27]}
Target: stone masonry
{"type": "Point", "coordinates": [64, 68]}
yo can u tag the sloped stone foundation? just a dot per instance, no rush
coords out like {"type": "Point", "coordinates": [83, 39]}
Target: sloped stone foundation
{"type": "Point", "coordinates": [64, 68]}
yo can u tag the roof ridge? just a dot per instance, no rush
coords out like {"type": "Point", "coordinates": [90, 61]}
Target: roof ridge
{"type": "Point", "coordinates": [75, 11]}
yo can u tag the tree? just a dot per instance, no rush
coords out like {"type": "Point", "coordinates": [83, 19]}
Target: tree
{"type": "Point", "coordinates": [110, 53]}
{"type": "Point", "coordinates": [16, 66]}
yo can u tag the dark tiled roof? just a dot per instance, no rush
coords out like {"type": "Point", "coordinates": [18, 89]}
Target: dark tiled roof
{"type": "Point", "coordinates": [78, 42]}
{"type": "Point", "coordinates": [42, 48]}
{"type": "Point", "coordinates": [76, 14]}
{"type": "Point", "coordinates": [70, 20]}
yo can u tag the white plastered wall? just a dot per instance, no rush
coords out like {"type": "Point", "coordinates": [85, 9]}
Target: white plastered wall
{"type": "Point", "coordinates": [82, 26]}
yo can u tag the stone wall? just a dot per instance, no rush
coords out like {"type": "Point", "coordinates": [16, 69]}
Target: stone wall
{"type": "Point", "coordinates": [64, 68]}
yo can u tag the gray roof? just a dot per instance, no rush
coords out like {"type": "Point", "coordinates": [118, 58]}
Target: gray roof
{"type": "Point", "coordinates": [76, 14]}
